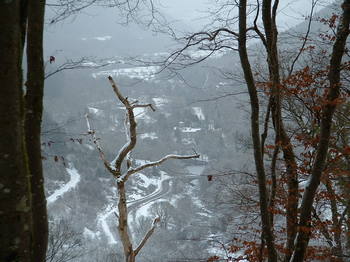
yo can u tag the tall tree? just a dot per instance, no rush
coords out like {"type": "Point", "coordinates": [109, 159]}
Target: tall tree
{"type": "Point", "coordinates": [32, 125]}
{"type": "Point", "coordinates": [328, 110]}
{"type": "Point", "coordinates": [122, 175]}
{"type": "Point", "coordinates": [23, 225]}
{"type": "Point", "coordinates": [15, 199]}
{"type": "Point", "coordinates": [223, 35]}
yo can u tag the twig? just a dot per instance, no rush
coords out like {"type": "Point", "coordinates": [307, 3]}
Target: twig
{"type": "Point", "coordinates": [98, 146]}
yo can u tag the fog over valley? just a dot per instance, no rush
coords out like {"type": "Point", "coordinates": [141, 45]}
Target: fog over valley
{"type": "Point", "coordinates": [175, 131]}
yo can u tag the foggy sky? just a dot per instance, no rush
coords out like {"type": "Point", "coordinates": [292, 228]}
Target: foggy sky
{"type": "Point", "coordinates": [291, 12]}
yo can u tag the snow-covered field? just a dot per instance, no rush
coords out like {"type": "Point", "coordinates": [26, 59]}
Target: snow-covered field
{"type": "Point", "coordinates": [141, 72]}
{"type": "Point", "coordinates": [199, 113]}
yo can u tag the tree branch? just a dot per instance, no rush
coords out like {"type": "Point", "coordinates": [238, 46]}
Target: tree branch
{"type": "Point", "coordinates": [305, 38]}
{"type": "Point", "coordinates": [130, 144]}
{"type": "Point", "coordinates": [156, 163]}
{"type": "Point", "coordinates": [98, 146]}
{"type": "Point", "coordinates": [147, 236]}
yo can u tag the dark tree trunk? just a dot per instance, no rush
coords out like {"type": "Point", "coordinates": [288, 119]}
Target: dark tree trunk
{"type": "Point", "coordinates": [269, 12]}
{"type": "Point", "coordinates": [304, 231]}
{"type": "Point", "coordinates": [15, 199]}
{"type": "Point", "coordinates": [258, 156]}
{"type": "Point", "coordinates": [33, 116]}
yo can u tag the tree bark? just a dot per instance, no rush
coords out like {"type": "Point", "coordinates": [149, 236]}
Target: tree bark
{"type": "Point", "coordinates": [15, 198]}
{"type": "Point", "coordinates": [271, 34]}
{"type": "Point", "coordinates": [123, 224]}
{"type": "Point", "coordinates": [258, 156]}
{"type": "Point", "coordinates": [304, 230]}
{"type": "Point", "coordinates": [33, 117]}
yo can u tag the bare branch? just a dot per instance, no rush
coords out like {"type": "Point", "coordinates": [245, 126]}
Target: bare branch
{"type": "Point", "coordinates": [219, 97]}
{"type": "Point", "coordinates": [147, 236]}
{"type": "Point", "coordinates": [82, 63]}
{"type": "Point", "coordinates": [130, 144]}
{"type": "Point", "coordinates": [146, 105]}
{"type": "Point", "coordinates": [98, 146]}
{"type": "Point", "coordinates": [117, 92]}
{"type": "Point", "coordinates": [157, 163]}
{"type": "Point", "coordinates": [314, 2]}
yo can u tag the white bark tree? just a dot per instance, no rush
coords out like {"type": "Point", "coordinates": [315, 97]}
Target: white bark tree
{"type": "Point", "coordinates": [115, 169]}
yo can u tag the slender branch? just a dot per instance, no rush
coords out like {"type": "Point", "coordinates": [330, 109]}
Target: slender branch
{"type": "Point", "coordinates": [83, 63]}
{"type": "Point", "coordinates": [98, 146]}
{"type": "Point", "coordinates": [157, 163]}
{"type": "Point", "coordinates": [146, 105]}
{"type": "Point", "coordinates": [256, 28]}
{"type": "Point", "coordinates": [147, 236]}
{"type": "Point", "coordinates": [305, 38]}
{"type": "Point", "coordinates": [219, 97]}
{"type": "Point", "coordinates": [323, 229]}
{"type": "Point", "coordinates": [118, 93]}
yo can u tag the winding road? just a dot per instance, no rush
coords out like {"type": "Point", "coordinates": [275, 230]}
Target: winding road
{"type": "Point", "coordinates": [72, 183]}
{"type": "Point", "coordinates": [134, 205]}
{"type": "Point", "coordinates": [164, 187]}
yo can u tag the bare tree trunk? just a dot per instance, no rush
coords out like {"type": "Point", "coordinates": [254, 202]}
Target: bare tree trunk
{"type": "Point", "coordinates": [33, 117]}
{"type": "Point", "coordinates": [304, 230]}
{"type": "Point", "coordinates": [15, 199]}
{"type": "Point", "coordinates": [269, 20]}
{"type": "Point", "coordinates": [258, 156]}
{"type": "Point", "coordinates": [115, 168]}
{"type": "Point", "coordinates": [123, 224]}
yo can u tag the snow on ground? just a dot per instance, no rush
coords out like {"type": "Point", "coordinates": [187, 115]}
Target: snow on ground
{"type": "Point", "coordinates": [152, 135]}
{"type": "Point", "coordinates": [190, 129]}
{"type": "Point", "coordinates": [199, 113]}
{"type": "Point", "coordinates": [195, 170]}
{"type": "Point", "coordinates": [99, 38]}
{"type": "Point", "coordinates": [143, 210]}
{"type": "Point", "coordinates": [140, 162]}
{"type": "Point", "coordinates": [157, 183]}
{"type": "Point", "coordinates": [102, 102]}
{"type": "Point", "coordinates": [162, 54]}
{"type": "Point", "coordinates": [145, 181]}
{"type": "Point", "coordinates": [204, 157]}
{"type": "Point", "coordinates": [90, 234]}
{"type": "Point", "coordinates": [95, 111]}
{"type": "Point", "coordinates": [217, 250]}
{"type": "Point", "coordinates": [102, 38]}
{"type": "Point", "coordinates": [72, 183]}
{"type": "Point", "coordinates": [160, 101]}
{"type": "Point", "coordinates": [204, 53]}
{"type": "Point", "coordinates": [142, 113]}
{"type": "Point", "coordinates": [89, 64]}
{"type": "Point", "coordinates": [142, 72]}
{"type": "Point", "coordinates": [102, 217]}
{"type": "Point", "coordinates": [102, 221]}
{"type": "Point", "coordinates": [90, 147]}
{"type": "Point", "coordinates": [188, 141]}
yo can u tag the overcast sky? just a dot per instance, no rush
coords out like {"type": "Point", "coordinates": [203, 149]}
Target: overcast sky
{"type": "Point", "coordinates": [291, 12]}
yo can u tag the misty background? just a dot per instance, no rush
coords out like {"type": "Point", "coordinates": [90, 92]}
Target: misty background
{"type": "Point", "coordinates": [201, 110]}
